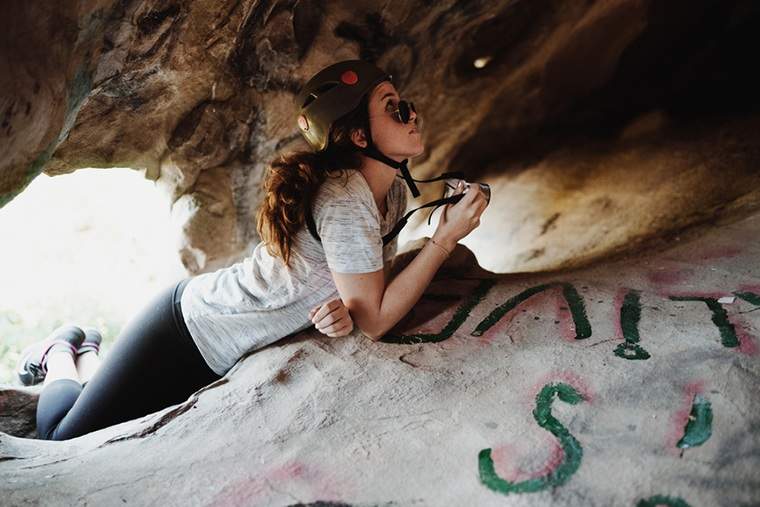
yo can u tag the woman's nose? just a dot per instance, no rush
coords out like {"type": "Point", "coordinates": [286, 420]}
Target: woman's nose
{"type": "Point", "coordinates": [412, 115]}
{"type": "Point", "coordinates": [416, 120]}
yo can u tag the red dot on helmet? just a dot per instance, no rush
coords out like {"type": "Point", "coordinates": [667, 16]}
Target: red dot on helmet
{"type": "Point", "coordinates": [349, 77]}
{"type": "Point", "coordinates": [303, 122]}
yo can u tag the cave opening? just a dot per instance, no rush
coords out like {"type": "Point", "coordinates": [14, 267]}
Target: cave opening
{"type": "Point", "coordinates": [90, 247]}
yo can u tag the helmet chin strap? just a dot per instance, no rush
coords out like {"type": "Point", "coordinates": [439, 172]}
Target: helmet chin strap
{"type": "Point", "coordinates": [372, 152]}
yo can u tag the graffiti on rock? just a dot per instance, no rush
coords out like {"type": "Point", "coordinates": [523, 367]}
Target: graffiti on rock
{"type": "Point", "coordinates": [571, 448]}
{"type": "Point", "coordinates": [630, 314]}
{"type": "Point", "coordinates": [719, 317]}
{"type": "Point", "coordinates": [749, 297]}
{"type": "Point", "coordinates": [694, 423]}
{"type": "Point", "coordinates": [460, 315]}
{"type": "Point", "coordinates": [574, 302]}
{"type": "Point", "coordinates": [662, 501]}
{"type": "Point", "coordinates": [699, 426]}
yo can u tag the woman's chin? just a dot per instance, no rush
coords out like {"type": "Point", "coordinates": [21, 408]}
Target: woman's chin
{"type": "Point", "coordinates": [414, 151]}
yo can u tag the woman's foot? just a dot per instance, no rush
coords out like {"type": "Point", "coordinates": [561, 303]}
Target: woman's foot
{"type": "Point", "coordinates": [32, 367]}
{"type": "Point", "coordinates": [88, 361]}
{"type": "Point", "coordinates": [91, 342]}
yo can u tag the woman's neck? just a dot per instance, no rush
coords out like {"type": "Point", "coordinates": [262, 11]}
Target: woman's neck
{"type": "Point", "coordinates": [379, 177]}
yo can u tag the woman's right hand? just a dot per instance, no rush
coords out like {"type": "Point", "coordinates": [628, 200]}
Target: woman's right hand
{"type": "Point", "coordinates": [458, 220]}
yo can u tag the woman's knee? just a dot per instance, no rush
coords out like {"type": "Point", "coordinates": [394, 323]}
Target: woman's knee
{"type": "Point", "coordinates": [55, 401]}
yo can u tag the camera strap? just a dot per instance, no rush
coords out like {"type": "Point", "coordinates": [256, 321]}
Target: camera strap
{"type": "Point", "coordinates": [312, 226]}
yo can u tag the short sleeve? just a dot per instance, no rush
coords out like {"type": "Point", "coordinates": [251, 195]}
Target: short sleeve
{"type": "Point", "coordinates": [350, 235]}
{"type": "Point", "coordinates": [389, 250]}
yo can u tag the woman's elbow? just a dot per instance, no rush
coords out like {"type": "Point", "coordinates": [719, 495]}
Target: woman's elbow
{"type": "Point", "coordinates": [373, 335]}
{"type": "Point", "coordinates": [369, 323]}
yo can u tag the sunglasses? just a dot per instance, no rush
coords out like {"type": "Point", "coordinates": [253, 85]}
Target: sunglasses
{"type": "Point", "coordinates": [403, 112]}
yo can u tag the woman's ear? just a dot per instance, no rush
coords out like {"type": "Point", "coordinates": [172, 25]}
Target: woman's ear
{"type": "Point", "coordinates": [358, 138]}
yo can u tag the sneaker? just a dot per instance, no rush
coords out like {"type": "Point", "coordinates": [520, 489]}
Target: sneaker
{"type": "Point", "coordinates": [92, 339]}
{"type": "Point", "coordinates": [32, 367]}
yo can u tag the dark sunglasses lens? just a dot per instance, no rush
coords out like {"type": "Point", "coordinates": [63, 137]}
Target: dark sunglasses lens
{"type": "Point", "coordinates": [403, 111]}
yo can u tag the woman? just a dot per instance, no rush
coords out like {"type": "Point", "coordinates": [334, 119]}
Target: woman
{"type": "Point", "coordinates": [322, 261]}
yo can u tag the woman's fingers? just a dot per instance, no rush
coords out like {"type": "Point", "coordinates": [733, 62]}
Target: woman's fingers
{"type": "Point", "coordinates": [332, 319]}
{"type": "Point", "coordinates": [341, 330]}
{"type": "Point", "coordinates": [340, 327]}
{"type": "Point", "coordinates": [478, 203]}
{"type": "Point", "coordinates": [326, 309]}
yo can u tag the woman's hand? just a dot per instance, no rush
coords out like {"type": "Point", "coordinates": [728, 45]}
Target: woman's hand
{"type": "Point", "coordinates": [332, 318]}
{"type": "Point", "coordinates": [458, 220]}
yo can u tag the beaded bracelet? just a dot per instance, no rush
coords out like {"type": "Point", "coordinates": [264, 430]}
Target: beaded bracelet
{"type": "Point", "coordinates": [440, 246]}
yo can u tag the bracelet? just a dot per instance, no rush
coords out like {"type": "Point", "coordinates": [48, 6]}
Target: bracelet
{"type": "Point", "coordinates": [440, 246]}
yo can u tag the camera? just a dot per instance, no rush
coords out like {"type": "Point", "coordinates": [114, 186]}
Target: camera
{"type": "Point", "coordinates": [450, 187]}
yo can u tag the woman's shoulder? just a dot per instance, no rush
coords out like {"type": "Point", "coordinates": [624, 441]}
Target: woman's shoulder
{"type": "Point", "coordinates": [345, 185]}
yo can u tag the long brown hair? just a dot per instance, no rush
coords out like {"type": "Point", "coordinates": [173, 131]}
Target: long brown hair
{"type": "Point", "coordinates": [292, 180]}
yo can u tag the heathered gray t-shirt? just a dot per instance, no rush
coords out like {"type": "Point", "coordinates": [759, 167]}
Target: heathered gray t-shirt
{"type": "Point", "coordinates": [259, 300]}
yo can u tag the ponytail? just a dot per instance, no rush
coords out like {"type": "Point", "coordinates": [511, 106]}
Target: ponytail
{"type": "Point", "coordinates": [292, 181]}
{"type": "Point", "coordinates": [290, 186]}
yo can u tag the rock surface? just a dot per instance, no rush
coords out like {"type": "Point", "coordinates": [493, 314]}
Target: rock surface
{"type": "Point", "coordinates": [18, 409]}
{"type": "Point", "coordinates": [630, 381]}
{"type": "Point", "coordinates": [600, 124]}
{"type": "Point", "coordinates": [603, 126]}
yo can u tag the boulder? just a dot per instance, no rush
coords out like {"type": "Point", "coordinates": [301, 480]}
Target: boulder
{"type": "Point", "coordinates": [632, 382]}
{"type": "Point", "coordinates": [612, 362]}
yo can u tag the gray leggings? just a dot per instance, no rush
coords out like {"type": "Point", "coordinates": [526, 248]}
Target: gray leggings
{"type": "Point", "coordinates": [153, 364]}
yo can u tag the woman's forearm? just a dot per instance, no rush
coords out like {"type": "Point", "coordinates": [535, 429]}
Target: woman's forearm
{"type": "Point", "coordinates": [408, 286]}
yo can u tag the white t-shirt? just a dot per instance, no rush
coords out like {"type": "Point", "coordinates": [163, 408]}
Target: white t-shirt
{"type": "Point", "coordinates": [259, 300]}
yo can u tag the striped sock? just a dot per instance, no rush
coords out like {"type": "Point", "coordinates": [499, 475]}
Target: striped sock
{"type": "Point", "coordinates": [57, 347]}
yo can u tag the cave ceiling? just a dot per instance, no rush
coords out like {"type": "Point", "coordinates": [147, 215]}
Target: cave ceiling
{"type": "Point", "coordinates": [599, 124]}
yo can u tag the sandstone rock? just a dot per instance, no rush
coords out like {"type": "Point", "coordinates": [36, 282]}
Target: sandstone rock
{"type": "Point", "coordinates": [604, 127]}
{"type": "Point", "coordinates": [18, 408]}
{"type": "Point", "coordinates": [609, 385]}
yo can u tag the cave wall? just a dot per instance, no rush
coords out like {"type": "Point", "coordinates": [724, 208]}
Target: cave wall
{"type": "Point", "coordinates": [601, 125]}
{"type": "Point", "coordinates": [48, 53]}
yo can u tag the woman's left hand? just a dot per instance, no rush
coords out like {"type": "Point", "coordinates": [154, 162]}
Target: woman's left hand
{"type": "Point", "coordinates": [332, 318]}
